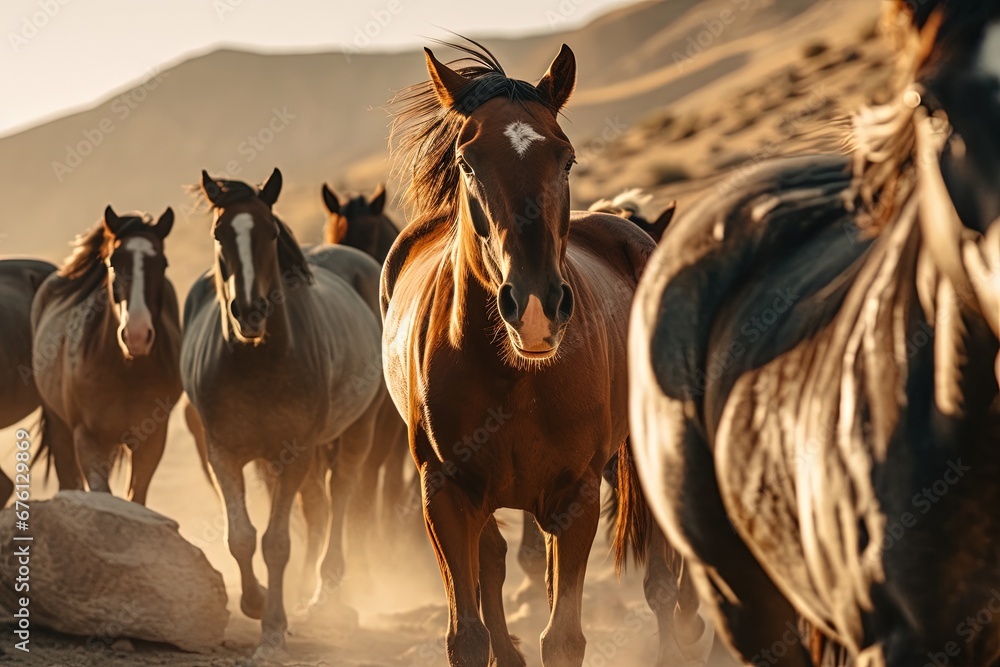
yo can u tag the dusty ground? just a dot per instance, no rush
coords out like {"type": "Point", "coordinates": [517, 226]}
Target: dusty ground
{"type": "Point", "coordinates": [764, 92]}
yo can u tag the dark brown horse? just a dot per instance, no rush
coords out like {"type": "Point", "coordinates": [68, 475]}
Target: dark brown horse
{"type": "Point", "coordinates": [19, 280]}
{"type": "Point", "coordinates": [277, 358]}
{"type": "Point", "coordinates": [361, 223]}
{"type": "Point", "coordinates": [814, 372]}
{"type": "Point", "coordinates": [631, 204]}
{"type": "Point", "coordinates": [106, 337]}
{"type": "Point", "coordinates": [504, 344]}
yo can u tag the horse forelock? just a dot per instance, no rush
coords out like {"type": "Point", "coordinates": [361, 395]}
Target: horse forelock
{"type": "Point", "coordinates": [86, 267]}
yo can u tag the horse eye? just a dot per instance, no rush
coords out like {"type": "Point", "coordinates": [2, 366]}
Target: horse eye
{"type": "Point", "coordinates": [569, 165]}
{"type": "Point", "coordinates": [464, 166]}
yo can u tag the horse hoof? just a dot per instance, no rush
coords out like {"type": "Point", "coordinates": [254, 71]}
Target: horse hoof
{"type": "Point", "coordinates": [252, 605]}
{"type": "Point", "coordinates": [269, 656]}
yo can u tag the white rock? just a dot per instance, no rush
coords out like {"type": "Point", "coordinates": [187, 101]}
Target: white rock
{"type": "Point", "coordinates": [106, 568]}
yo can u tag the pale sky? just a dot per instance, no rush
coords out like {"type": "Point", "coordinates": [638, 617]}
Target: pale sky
{"type": "Point", "coordinates": [61, 55]}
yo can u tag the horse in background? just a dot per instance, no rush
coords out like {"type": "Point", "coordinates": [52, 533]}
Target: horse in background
{"type": "Point", "coordinates": [105, 344]}
{"type": "Point", "coordinates": [19, 280]}
{"type": "Point", "coordinates": [362, 223]}
{"type": "Point", "coordinates": [815, 375]}
{"type": "Point", "coordinates": [276, 360]}
{"type": "Point", "coordinates": [505, 314]}
{"type": "Point", "coordinates": [631, 205]}
{"type": "Point", "coordinates": [359, 222]}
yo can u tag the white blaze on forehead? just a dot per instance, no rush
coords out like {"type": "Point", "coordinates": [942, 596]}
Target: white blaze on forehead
{"type": "Point", "coordinates": [989, 54]}
{"type": "Point", "coordinates": [242, 224]}
{"type": "Point", "coordinates": [521, 136]}
{"type": "Point", "coordinates": [140, 248]}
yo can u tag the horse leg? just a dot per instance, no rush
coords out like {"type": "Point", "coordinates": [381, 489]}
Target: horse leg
{"type": "Point", "coordinates": [240, 532]}
{"type": "Point", "coordinates": [531, 558]}
{"type": "Point", "coordinates": [355, 447]}
{"type": "Point", "coordinates": [145, 459]}
{"type": "Point", "coordinates": [492, 571]}
{"type": "Point", "coordinates": [571, 527]}
{"type": "Point", "coordinates": [683, 636]}
{"type": "Point", "coordinates": [394, 485]}
{"type": "Point", "coordinates": [276, 546]}
{"type": "Point", "coordinates": [316, 510]}
{"type": "Point", "coordinates": [454, 526]}
{"type": "Point", "coordinates": [97, 459]}
{"type": "Point", "coordinates": [57, 436]}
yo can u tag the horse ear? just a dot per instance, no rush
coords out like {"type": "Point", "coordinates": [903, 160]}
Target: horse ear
{"type": "Point", "coordinates": [377, 202]}
{"type": "Point", "coordinates": [270, 191]}
{"type": "Point", "coordinates": [164, 224]}
{"type": "Point", "coordinates": [210, 188]}
{"type": "Point", "coordinates": [330, 200]}
{"type": "Point", "coordinates": [558, 82]}
{"type": "Point", "coordinates": [657, 228]}
{"type": "Point", "coordinates": [446, 81]}
{"type": "Point", "coordinates": [112, 222]}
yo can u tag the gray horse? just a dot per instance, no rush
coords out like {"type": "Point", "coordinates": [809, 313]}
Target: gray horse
{"type": "Point", "coordinates": [276, 359]}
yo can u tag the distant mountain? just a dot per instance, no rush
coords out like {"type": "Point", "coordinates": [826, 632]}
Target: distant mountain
{"type": "Point", "coordinates": [319, 118]}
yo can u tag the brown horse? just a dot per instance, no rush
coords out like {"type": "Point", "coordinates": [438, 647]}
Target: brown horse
{"type": "Point", "coordinates": [504, 347]}
{"type": "Point", "coordinates": [277, 360]}
{"type": "Point", "coordinates": [816, 380]}
{"type": "Point", "coordinates": [106, 337]}
{"type": "Point", "coordinates": [19, 280]}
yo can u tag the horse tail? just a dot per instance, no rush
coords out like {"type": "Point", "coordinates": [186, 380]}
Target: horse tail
{"type": "Point", "coordinates": [634, 521]}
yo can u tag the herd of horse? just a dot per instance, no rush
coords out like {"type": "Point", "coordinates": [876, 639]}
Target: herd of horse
{"type": "Point", "coordinates": [791, 389]}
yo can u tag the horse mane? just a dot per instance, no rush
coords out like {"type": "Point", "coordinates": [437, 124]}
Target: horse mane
{"type": "Point", "coordinates": [935, 37]}
{"type": "Point", "coordinates": [423, 133]}
{"type": "Point", "coordinates": [290, 255]}
{"type": "Point", "coordinates": [84, 269]}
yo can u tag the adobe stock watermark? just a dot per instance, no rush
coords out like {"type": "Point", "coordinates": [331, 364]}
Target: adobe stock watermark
{"type": "Point", "coordinates": [256, 143]}
{"type": "Point", "coordinates": [751, 331]}
{"type": "Point", "coordinates": [463, 450]}
{"type": "Point", "coordinates": [712, 29]}
{"type": "Point", "coordinates": [562, 12]}
{"type": "Point", "coordinates": [34, 23]}
{"type": "Point", "coordinates": [365, 34]}
{"type": "Point", "coordinates": [225, 7]}
{"type": "Point", "coordinates": [92, 137]}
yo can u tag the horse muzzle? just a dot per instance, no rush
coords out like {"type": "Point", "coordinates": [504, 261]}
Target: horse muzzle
{"type": "Point", "coordinates": [250, 327]}
{"type": "Point", "coordinates": [137, 335]}
{"type": "Point", "coordinates": [533, 333]}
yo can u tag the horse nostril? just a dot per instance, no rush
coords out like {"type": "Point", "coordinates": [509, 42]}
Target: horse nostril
{"type": "Point", "coordinates": [234, 309]}
{"type": "Point", "coordinates": [507, 304]}
{"type": "Point", "coordinates": [566, 303]}
{"type": "Point", "coordinates": [149, 337]}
